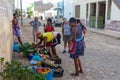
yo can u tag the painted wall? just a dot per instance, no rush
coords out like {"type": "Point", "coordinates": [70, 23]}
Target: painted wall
{"type": "Point", "coordinates": [115, 12]}
{"type": "Point", "coordinates": [83, 4]}
{"type": "Point", "coordinates": [6, 30]}
{"type": "Point", "coordinates": [112, 24]}
{"type": "Point", "coordinates": [91, 1]}
{"type": "Point", "coordinates": [86, 1]}
{"type": "Point", "coordinates": [83, 11]}
{"type": "Point", "coordinates": [69, 10]}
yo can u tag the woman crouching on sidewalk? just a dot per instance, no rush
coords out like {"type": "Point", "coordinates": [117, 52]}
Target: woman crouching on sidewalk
{"type": "Point", "coordinates": [48, 39]}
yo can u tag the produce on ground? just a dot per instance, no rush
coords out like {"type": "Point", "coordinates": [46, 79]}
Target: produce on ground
{"type": "Point", "coordinates": [43, 70]}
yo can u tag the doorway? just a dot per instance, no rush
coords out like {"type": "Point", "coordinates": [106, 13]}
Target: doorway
{"type": "Point", "coordinates": [101, 15]}
{"type": "Point", "coordinates": [92, 15]}
{"type": "Point", "coordinates": [77, 11]}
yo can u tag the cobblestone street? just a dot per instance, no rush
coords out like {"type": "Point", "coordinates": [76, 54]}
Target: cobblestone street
{"type": "Point", "coordinates": [101, 60]}
{"type": "Point", "coordinates": [22, 58]}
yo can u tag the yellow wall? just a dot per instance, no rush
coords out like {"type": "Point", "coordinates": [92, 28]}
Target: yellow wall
{"type": "Point", "coordinates": [6, 30]}
{"type": "Point", "coordinates": [5, 39]}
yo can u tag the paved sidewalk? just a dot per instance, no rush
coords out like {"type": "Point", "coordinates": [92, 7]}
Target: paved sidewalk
{"type": "Point", "coordinates": [110, 33]}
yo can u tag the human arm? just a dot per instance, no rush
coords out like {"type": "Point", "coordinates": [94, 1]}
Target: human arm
{"type": "Point", "coordinates": [15, 23]}
{"type": "Point", "coordinates": [53, 28]}
{"type": "Point", "coordinates": [43, 24]}
{"type": "Point", "coordinates": [74, 31]}
{"type": "Point", "coordinates": [84, 31]}
{"type": "Point", "coordinates": [40, 45]}
{"type": "Point", "coordinates": [62, 30]}
{"type": "Point", "coordinates": [39, 23]}
{"type": "Point", "coordinates": [44, 28]}
{"type": "Point", "coordinates": [31, 23]}
{"type": "Point", "coordinates": [12, 23]}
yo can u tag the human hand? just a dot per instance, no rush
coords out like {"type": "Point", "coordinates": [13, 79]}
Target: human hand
{"type": "Point", "coordinates": [33, 45]}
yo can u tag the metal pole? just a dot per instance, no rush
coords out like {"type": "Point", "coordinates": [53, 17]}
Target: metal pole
{"type": "Point", "coordinates": [21, 13]}
{"type": "Point", "coordinates": [97, 9]}
{"type": "Point", "coordinates": [17, 4]}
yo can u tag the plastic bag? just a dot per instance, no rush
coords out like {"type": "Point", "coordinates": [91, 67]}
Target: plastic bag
{"type": "Point", "coordinates": [15, 47]}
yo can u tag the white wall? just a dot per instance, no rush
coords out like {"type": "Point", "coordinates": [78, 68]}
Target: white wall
{"type": "Point", "coordinates": [69, 10]}
{"type": "Point", "coordinates": [115, 12]}
{"type": "Point", "coordinates": [82, 8]}
{"type": "Point", "coordinates": [83, 4]}
{"type": "Point", "coordinates": [83, 11]}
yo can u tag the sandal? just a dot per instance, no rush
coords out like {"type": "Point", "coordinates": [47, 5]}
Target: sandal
{"type": "Point", "coordinates": [75, 74]}
{"type": "Point", "coordinates": [81, 71]}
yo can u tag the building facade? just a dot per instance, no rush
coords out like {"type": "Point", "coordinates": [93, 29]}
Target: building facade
{"type": "Point", "coordinates": [40, 8]}
{"type": "Point", "coordinates": [103, 14]}
{"type": "Point", "coordinates": [60, 8]}
{"type": "Point", "coordinates": [69, 8]}
{"type": "Point", "coordinates": [6, 37]}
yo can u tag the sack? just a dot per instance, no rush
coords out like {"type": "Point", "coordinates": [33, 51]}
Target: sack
{"type": "Point", "coordinates": [72, 47]}
{"type": "Point", "coordinates": [15, 47]}
{"type": "Point", "coordinates": [36, 57]}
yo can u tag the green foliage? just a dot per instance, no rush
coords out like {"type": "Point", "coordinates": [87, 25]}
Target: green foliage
{"type": "Point", "coordinates": [30, 13]}
{"type": "Point", "coordinates": [18, 12]}
{"type": "Point", "coordinates": [30, 10]}
{"type": "Point", "coordinates": [1, 61]}
{"type": "Point", "coordinates": [26, 49]}
{"type": "Point", "coordinates": [15, 71]}
{"type": "Point", "coordinates": [31, 6]}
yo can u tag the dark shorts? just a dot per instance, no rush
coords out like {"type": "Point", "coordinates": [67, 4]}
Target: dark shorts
{"type": "Point", "coordinates": [66, 38]}
{"type": "Point", "coordinates": [56, 40]}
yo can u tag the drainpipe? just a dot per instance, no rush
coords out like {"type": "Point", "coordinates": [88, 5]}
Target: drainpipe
{"type": "Point", "coordinates": [21, 13]}
{"type": "Point", "coordinates": [106, 15]}
{"type": "Point", "coordinates": [97, 10]}
{"type": "Point", "coordinates": [89, 14]}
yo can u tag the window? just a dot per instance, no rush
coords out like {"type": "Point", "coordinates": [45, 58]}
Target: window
{"type": "Point", "coordinates": [77, 11]}
{"type": "Point", "coordinates": [93, 9]}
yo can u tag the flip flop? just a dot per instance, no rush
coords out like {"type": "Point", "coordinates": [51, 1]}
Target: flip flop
{"type": "Point", "coordinates": [75, 74]}
{"type": "Point", "coordinates": [81, 72]}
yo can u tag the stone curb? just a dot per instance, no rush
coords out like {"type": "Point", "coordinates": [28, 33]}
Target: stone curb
{"type": "Point", "coordinates": [105, 32]}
